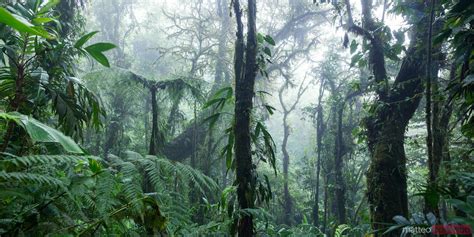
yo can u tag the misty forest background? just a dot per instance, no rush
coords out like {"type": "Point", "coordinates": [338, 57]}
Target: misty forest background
{"type": "Point", "coordinates": [223, 118]}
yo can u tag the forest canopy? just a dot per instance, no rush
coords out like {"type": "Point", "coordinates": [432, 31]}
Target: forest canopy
{"type": "Point", "coordinates": [236, 118]}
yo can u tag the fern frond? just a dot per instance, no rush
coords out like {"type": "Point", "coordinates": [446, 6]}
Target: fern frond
{"type": "Point", "coordinates": [104, 191]}
{"type": "Point", "coordinates": [28, 178]}
{"type": "Point", "coordinates": [37, 160]}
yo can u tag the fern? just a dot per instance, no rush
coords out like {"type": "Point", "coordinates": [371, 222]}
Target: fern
{"type": "Point", "coordinates": [341, 230]}
{"type": "Point", "coordinates": [12, 178]}
{"type": "Point", "coordinates": [85, 194]}
{"type": "Point", "coordinates": [36, 160]}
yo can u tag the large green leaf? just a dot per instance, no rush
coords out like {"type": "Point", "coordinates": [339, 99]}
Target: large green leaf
{"type": "Point", "coordinates": [96, 51]}
{"type": "Point", "coordinates": [20, 24]}
{"type": "Point", "coordinates": [84, 39]}
{"type": "Point", "coordinates": [101, 47]}
{"type": "Point", "coordinates": [40, 132]}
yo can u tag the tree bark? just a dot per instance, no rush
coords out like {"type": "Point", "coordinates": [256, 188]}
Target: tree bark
{"type": "Point", "coordinates": [326, 209]}
{"type": "Point", "coordinates": [319, 139]}
{"type": "Point", "coordinates": [287, 202]}
{"type": "Point", "coordinates": [386, 178]}
{"type": "Point", "coordinates": [338, 165]}
{"type": "Point", "coordinates": [244, 92]}
{"type": "Point", "coordinates": [432, 114]}
{"type": "Point", "coordinates": [287, 109]}
{"type": "Point", "coordinates": [153, 149]}
{"type": "Point", "coordinates": [442, 113]}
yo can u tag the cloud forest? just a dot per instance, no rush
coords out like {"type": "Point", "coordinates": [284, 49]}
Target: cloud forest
{"type": "Point", "coordinates": [331, 118]}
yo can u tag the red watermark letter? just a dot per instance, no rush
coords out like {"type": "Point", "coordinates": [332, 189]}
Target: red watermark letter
{"type": "Point", "coordinates": [451, 229]}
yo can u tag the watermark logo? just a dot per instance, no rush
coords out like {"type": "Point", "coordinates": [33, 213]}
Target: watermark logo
{"type": "Point", "coordinates": [452, 229]}
{"type": "Point", "coordinates": [449, 229]}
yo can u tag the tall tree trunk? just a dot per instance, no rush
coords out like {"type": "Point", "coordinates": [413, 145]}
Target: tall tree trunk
{"type": "Point", "coordinates": [146, 111]}
{"type": "Point", "coordinates": [287, 109]}
{"type": "Point", "coordinates": [98, 138]}
{"type": "Point", "coordinates": [153, 150]}
{"type": "Point", "coordinates": [220, 68]}
{"type": "Point", "coordinates": [326, 209]}
{"type": "Point", "coordinates": [173, 117]}
{"type": "Point", "coordinates": [111, 136]}
{"type": "Point", "coordinates": [432, 114]}
{"type": "Point", "coordinates": [386, 178]}
{"type": "Point", "coordinates": [338, 165]}
{"type": "Point", "coordinates": [244, 92]}
{"type": "Point", "coordinates": [287, 202]}
{"type": "Point", "coordinates": [319, 147]}
{"type": "Point", "coordinates": [442, 114]}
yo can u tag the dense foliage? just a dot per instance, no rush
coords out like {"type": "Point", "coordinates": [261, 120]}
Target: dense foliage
{"type": "Point", "coordinates": [232, 117]}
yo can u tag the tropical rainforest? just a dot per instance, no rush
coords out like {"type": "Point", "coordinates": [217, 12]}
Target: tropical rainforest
{"type": "Point", "coordinates": [236, 117]}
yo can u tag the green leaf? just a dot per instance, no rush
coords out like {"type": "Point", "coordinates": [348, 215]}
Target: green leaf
{"type": "Point", "coordinates": [48, 6]}
{"type": "Point", "coordinates": [212, 119]}
{"type": "Point", "coordinates": [263, 93]}
{"type": "Point", "coordinates": [84, 39]}
{"type": "Point", "coordinates": [217, 101]}
{"type": "Point", "coordinates": [227, 89]}
{"type": "Point", "coordinates": [353, 46]}
{"type": "Point", "coordinates": [393, 228]}
{"type": "Point", "coordinates": [101, 47]}
{"type": "Point", "coordinates": [401, 220]}
{"type": "Point", "coordinates": [99, 57]}
{"type": "Point", "coordinates": [269, 40]}
{"type": "Point", "coordinates": [94, 166]}
{"type": "Point", "coordinates": [442, 36]}
{"type": "Point", "coordinates": [267, 51]}
{"type": "Point", "coordinates": [258, 129]}
{"type": "Point", "coordinates": [468, 81]}
{"type": "Point", "coordinates": [40, 132]}
{"type": "Point", "coordinates": [96, 51]}
{"type": "Point", "coordinates": [21, 25]}
{"type": "Point", "coordinates": [260, 38]}
{"type": "Point", "coordinates": [468, 129]}
{"type": "Point", "coordinates": [270, 109]}
{"type": "Point", "coordinates": [356, 58]}
{"type": "Point", "coordinates": [341, 229]}
{"type": "Point", "coordinates": [42, 20]}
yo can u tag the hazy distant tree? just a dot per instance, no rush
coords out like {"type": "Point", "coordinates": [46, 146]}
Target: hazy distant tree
{"type": "Point", "coordinates": [287, 108]}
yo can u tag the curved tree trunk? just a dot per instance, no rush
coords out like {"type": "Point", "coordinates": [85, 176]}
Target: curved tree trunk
{"type": "Point", "coordinates": [386, 177]}
{"type": "Point", "coordinates": [287, 202]}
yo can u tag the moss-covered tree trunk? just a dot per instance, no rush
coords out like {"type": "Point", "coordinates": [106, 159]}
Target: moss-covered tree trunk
{"type": "Point", "coordinates": [387, 177]}
{"type": "Point", "coordinates": [153, 149]}
{"type": "Point", "coordinates": [396, 104]}
{"type": "Point", "coordinates": [244, 93]}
